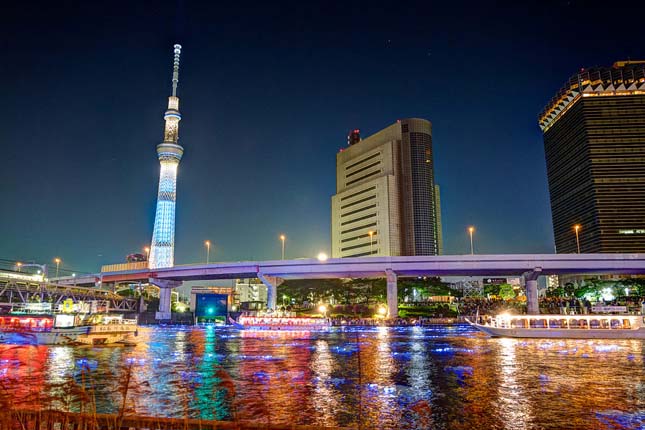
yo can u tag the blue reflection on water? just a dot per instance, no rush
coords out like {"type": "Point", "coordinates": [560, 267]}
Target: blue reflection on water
{"type": "Point", "coordinates": [438, 377]}
{"type": "Point", "coordinates": [622, 420]}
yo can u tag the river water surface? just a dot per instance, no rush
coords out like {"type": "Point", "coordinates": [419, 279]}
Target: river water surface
{"type": "Point", "coordinates": [440, 377]}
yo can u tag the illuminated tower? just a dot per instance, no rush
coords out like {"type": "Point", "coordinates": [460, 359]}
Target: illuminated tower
{"type": "Point", "coordinates": [169, 152]}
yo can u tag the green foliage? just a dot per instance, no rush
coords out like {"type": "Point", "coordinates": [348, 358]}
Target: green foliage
{"type": "Point", "coordinates": [425, 287]}
{"type": "Point", "coordinates": [312, 290]}
{"type": "Point", "coordinates": [593, 287]}
{"type": "Point", "coordinates": [556, 292]}
{"type": "Point", "coordinates": [506, 291]}
{"type": "Point", "coordinates": [491, 289]}
{"type": "Point", "coordinates": [361, 290]}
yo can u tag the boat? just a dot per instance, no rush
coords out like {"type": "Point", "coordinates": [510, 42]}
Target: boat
{"type": "Point", "coordinates": [280, 322]}
{"type": "Point", "coordinates": [66, 328]}
{"type": "Point", "coordinates": [564, 326]}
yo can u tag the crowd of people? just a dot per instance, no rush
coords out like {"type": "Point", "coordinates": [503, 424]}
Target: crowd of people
{"type": "Point", "coordinates": [548, 305]}
{"type": "Point", "coordinates": [483, 306]}
{"type": "Point", "coordinates": [393, 322]}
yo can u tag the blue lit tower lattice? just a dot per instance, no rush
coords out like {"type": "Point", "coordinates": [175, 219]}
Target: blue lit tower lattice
{"type": "Point", "coordinates": [169, 152]}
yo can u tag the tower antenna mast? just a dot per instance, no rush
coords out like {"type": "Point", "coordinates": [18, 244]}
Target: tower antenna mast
{"type": "Point", "coordinates": [175, 69]}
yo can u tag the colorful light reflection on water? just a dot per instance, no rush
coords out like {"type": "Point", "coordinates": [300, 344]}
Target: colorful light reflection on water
{"type": "Point", "coordinates": [443, 377]}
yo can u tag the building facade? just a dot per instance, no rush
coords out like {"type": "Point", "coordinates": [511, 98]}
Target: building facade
{"type": "Point", "coordinates": [594, 141]}
{"type": "Point", "coordinates": [247, 291]}
{"type": "Point", "coordinates": [385, 201]}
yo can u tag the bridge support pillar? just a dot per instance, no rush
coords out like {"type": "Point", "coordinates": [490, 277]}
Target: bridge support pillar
{"type": "Point", "coordinates": [272, 283]}
{"type": "Point", "coordinates": [532, 301]}
{"type": "Point", "coordinates": [392, 294]}
{"type": "Point", "coordinates": [165, 290]}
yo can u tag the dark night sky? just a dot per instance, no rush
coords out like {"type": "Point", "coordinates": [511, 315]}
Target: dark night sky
{"type": "Point", "coordinates": [268, 94]}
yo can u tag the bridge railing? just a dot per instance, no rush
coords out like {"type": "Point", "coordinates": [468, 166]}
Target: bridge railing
{"type": "Point", "coordinates": [137, 265]}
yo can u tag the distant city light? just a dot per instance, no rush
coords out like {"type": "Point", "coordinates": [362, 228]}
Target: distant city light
{"type": "Point", "coordinates": [322, 256]}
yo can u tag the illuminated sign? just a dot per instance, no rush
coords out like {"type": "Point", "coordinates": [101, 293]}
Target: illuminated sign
{"type": "Point", "coordinates": [638, 231]}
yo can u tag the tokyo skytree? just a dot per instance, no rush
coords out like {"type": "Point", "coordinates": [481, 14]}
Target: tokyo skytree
{"type": "Point", "coordinates": [169, 153]}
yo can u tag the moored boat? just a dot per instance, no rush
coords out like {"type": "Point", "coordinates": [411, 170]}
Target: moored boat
{"type": "Point", "coordinates": [281, 323]}
{"type": "Point", "coordinates": [564, 326]}
{"type": "Point", "coordinates": [67, 328]}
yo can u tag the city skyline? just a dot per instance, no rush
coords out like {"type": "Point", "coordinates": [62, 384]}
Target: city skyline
{"type": "Point", "coordinates": [63, 190]}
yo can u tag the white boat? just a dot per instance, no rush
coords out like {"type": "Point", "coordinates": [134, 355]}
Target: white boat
{"type": "Point", "coordinates": [67, 329]}
{"type": "Point", "coordinates": [281, 323]}
{"type": "Point", "coordinates": [564, 326]}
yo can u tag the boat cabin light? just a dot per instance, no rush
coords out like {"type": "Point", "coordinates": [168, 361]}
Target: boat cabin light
{"type": "Point", "coordinates": [64, 320]}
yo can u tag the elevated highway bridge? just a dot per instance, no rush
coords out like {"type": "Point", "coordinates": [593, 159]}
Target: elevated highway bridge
{"type": "Point", "coordinates": [272, 272]}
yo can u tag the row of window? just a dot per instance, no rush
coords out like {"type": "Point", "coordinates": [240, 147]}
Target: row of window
{"type": "Point", "coordinates": [362, 169]}
{"type": "Point", "coordinates": [359, 219]}
{"type": "Point", "coordinates": [373, 224]}
{"type": "Point", "coordinates": [362, 161]}
{"type": "Point", "coordinates": [376, 172]}
{"type": "Point", "coordinates": [358, 210]}
{"type": "Point", "coordinates": [362, 254]}
{"type": "Point", "coordinates": [349, 205]}
{"type": "Point", "coordinates": [358, 193]}
{"type": "Point", "coordinates": [360, 236]}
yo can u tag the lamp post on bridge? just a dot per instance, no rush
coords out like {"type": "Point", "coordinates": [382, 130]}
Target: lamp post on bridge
{"type": "Point", "coordinates": [283, 238]}
{"type": "Point", "coordinates": [471, 230]}
{"type": "Point", "coordinates": [147, 251]}
{"type": "Point", "coordinates": [57, 261]}
{"type": "Point", "coordinates": [19, 265]}
{"type": "Point", "coordinates": [208, 250]}
{"type": "Point", "coordinates": [371, 233]}
{"type": "Point", "coordinates": [577, 228]}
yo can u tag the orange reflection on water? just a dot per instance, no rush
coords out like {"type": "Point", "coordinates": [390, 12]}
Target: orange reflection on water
{"type": "Point", "coordinates": [274, 370]}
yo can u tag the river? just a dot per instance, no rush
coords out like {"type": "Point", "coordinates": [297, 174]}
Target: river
{"type": "Point", "coordinates": [439, 377]}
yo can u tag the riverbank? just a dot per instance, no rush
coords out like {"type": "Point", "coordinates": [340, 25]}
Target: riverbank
{"type": "Point", "coordinates": [53, 419]}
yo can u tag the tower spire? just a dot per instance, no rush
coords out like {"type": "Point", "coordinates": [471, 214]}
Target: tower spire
{"type": "Point", "coordinates": [175, 69]}
{"type": "Point", "coordinates": [169, 153]}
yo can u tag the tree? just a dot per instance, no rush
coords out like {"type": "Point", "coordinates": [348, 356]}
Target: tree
{"type": "Point", "coordinates": [506, 291]}
{"type": "Point", "coordinates": [491, 289]}
{"type": "Point", "coordinates": [313, 290]}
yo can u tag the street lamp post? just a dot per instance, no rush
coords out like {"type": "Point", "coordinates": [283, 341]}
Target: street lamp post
{"type": "Point", "coordinates": [208, 250]}
{"type": "Point", "coordinates": [147, 251]}
{"type": "Point", "coordinates": [283, 238]}
{"type": "Point", "coordinates": [57, 261]}
{"type": "Point", "coordinates": [371, 233]}
{"type": "Point", "coordinates": [74, 276]}
{"type": "Point", "coordinates": [577, 228]}
{"type": "Point", "coordinates": [471, 230]}
{"type": "Point", "coordinates": [19, 265]}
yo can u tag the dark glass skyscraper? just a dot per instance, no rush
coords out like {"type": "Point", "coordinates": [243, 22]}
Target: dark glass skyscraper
{"type": "Point", "coordinates": [594, 141]}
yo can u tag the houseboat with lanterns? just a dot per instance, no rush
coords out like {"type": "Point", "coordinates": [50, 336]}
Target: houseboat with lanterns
{"type": "Point", "coordinates": [280, 321]}
{"type": "Point", "coordinates": [72, 324]}
{"type": "Point", "coordinates": [592, 326]}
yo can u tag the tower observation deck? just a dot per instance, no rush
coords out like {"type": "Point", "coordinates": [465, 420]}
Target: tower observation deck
{"type": "Point", "coordinates": [169, 153]}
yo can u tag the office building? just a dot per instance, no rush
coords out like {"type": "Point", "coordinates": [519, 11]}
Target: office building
{"type": "Point", "coordinates": [385, 201]}
{"type": "Point", "coordinates": [594, 141]}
